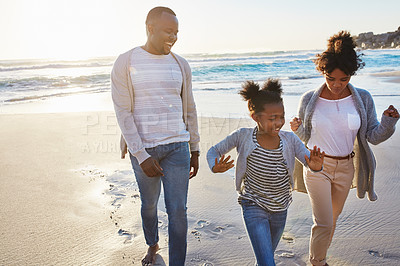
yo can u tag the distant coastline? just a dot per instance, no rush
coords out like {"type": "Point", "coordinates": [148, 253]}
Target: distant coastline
{"type": "Point", "coordinates": [369, 40]}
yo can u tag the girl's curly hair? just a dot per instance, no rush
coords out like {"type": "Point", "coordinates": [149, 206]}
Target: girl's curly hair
{"type": "Point", "coordinates": [270, 92]}
{"type": "Point", "coordinates": [339, 54]}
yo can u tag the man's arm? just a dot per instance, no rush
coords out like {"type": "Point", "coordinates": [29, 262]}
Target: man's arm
{"type": "Point", "coordinates": [122, 98]}
{"type": "Point", "coordinates": [192, 124]}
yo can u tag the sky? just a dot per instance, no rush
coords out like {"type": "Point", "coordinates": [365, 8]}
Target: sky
{"type": "Point", "coordinates": [80, 29]}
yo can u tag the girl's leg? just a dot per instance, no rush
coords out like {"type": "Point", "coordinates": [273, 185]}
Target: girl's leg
{"type": "Point", "coordinates": [259, 223]}
{"type": "Point", "coordinates": [277, 225]}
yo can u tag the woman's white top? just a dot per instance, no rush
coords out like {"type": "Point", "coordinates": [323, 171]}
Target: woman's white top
{"type": "Point", "coordinates": [335, 124]}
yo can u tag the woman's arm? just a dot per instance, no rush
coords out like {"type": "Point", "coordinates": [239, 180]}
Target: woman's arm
{"type": "Point", "coordinates": [378, 132]}
{"type": "Point", "coordinates": [299, 121]}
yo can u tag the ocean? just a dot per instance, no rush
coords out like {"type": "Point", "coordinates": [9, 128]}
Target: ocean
{"type": "Point", "coordinates": [217, 78]}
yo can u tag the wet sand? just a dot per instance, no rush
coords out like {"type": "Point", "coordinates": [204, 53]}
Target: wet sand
{"type": "Point", "coordinates": [392, 76]}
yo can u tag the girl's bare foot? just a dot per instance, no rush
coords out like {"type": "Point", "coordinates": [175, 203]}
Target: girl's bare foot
{"type": "Point", "coordinates": [150, 257]}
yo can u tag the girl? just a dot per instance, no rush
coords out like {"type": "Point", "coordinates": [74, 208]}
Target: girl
{"type": "Point", "coordinates": [335, 115]}
{"type": "Point", "coordinates": [265, 164]}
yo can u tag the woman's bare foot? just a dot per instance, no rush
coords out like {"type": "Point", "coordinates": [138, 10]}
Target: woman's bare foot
{"type": "Point", "coordinates": [150, 257]}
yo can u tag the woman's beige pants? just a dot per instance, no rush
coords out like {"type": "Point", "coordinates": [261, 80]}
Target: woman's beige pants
{"type": "Point", "coordinates": [327, 191]}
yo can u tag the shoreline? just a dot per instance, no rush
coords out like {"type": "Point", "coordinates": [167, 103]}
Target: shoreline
{"type": "Point", "coordinates": [209, 103]}
{"type": "Point", "coordinates": [390, 76]}
{"type": "Point", "coordinates": [74, 201]}
{"type": "Point", "coordinates": [387, 74]}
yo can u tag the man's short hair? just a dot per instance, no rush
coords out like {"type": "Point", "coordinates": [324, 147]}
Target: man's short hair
{"type": "Point", "coordinates": [156, 12]}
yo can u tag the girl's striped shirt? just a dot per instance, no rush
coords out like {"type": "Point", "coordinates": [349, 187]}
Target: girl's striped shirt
{"type": "Point", "coordinates": [266, 182]}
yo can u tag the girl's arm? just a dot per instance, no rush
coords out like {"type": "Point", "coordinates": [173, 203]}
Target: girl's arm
{"type": "Point", "coordinates": [313, 160]}
{"type": "Point", "coordinates": [300, 149]}
{"type": "Point", "coordinates": [223, 164]}
{"type": "Point", "coordinates": [221, 148]}
{"type": "Point", "coordinates": [316, 160]}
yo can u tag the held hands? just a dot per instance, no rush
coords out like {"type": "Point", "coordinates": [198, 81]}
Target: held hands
{"type": "Point", "coordinates": [223, 165]}
{"type": "Point", "coordinates": [391, 112]}
{"type": "Point", "coordinates": [316, 159]}
{"type": "Point", "coordinates": [295, 123]}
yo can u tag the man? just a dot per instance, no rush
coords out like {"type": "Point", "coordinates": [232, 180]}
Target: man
{"type": "Point", "coordinates": [153, 100]}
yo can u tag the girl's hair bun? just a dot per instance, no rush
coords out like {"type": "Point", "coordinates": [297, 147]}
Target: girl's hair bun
{"type": "Point", "coordinates": [273, 85]}
{"type": "Point", "coordinates": [250, 90]}
{"type": "Point", "coordinates": [257, 98]}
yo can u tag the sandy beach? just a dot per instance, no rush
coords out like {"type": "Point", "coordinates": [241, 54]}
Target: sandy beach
{"type": "Point", "coordinates": [66, 196]}
{"type": "Point", "coordinates": [68, 199]}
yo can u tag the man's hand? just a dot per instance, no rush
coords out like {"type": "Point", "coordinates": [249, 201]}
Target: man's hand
{"type": "Point", "coordinates": [194, 163]}
{"type": "Point", "coordinates": [316, 159]}
{"type": "Point", "coordinates": [151, 167]}
{"type": "Point", "coordinates": [391, 112]}
{"type": "Point", "coordinates": [223, 165]}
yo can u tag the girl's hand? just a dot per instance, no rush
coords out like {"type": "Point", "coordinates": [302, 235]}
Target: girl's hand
{"type": "Point", "coordinates": [316, 159]}
{"type": "Point", "coordinates": [223, 165]}
{"type": "Point", "coordinates": [391, 112]}
{"type": "Point", "coordinates": [295, 123]}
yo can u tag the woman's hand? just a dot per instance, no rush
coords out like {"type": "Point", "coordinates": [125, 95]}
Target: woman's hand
{"type": "Point", "coordinates": [223, 165]}
{"type": "Point", "coordinates": [391, 112]}
{"type": "Point", "coordinates": [316, 159]}
{"type": "Point", "coordinates": [295, 123]}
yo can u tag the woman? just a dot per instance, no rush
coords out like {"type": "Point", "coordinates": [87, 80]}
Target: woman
{"type": "Point", "coordinates": [339, 119]}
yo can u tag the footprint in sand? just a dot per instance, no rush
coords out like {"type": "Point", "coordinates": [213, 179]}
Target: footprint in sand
{"type": "Point", "coordinates": [198, 260]}
{"type": "Point", "coordinates": [92, 173]}
{"type": "Point", "coordinates": [375, 253]}
{"type": "Point", "coordinates": [219, 229]}
{"type": "Point", "coordinates": [288, 239]}
{"type": "Point", "coordinates": [116, 202]}
{"type": "Point", "coordinates": [284, 254]}
{"type": "Point", "coordinates": [135, 197]}
{"type": "Point", "coordinates": [196, 234]}
{"type": "Point", "coordinates": [216, 231]}
{"type": "Point", "coordinates": [203, 223]}
{"type": "Point", "coordinates": [128, 236]}
{"type": "Point", "coordinates": [207, 229]}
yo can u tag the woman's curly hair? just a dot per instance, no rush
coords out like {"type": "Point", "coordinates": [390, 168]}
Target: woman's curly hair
{"type": "Point", "coordinates": [339, 54]}
{"type": "Point", "coordinates": [270, 92]}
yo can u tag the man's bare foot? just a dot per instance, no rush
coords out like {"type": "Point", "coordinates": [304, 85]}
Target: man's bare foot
{"type": "Point", "coordinates": [150, 257]}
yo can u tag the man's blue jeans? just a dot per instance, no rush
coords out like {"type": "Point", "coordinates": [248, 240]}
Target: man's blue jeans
{"type": "Point", "coordinates": [174, 159]}
{"type": "Point", "coordinates": [264, 229]}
